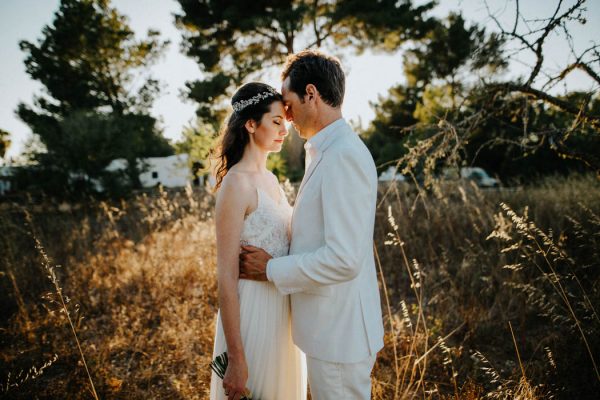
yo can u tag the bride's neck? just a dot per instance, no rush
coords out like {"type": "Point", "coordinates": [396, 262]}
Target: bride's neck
{"type": "Point", "coordinates": [254, 159]}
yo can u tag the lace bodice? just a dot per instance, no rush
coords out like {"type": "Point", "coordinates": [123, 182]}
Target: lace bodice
{"type": "Point", "coordinates": [268, 227]}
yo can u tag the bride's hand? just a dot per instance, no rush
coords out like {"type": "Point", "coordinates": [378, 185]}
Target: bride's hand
{"type": "Point", "coordinates": [234, 381]}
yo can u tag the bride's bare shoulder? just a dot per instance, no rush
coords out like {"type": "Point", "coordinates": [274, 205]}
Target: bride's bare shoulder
{"type": "Point", "coordinates": [236, 187]}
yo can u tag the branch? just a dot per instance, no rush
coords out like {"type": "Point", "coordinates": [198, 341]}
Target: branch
{"type": "Point", "coordinates": [578, 65]}
{"type": "Point", "coordinates": [269, 36]}
{"type": "Point", "coordinates": [320, 40]}
{"type": "Point", "coordinates": [314, 21]}
{"type": "Point", "coordinates": [593, 120]}
{"type": "Point", "coordinates": [540, 43]}
{"type": "Point", "coordinates": [517, 13]}
{"type": "Point", "coordinates": [536, 46]}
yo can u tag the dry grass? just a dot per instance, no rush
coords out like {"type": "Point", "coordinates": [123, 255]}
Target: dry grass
{"type": "Point", "coordinates": [138, 282]}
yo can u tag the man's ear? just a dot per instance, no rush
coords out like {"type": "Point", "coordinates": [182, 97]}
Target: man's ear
{"type": "Point", "coordinates": [250, 125]}
{"type": "Point", "coordinates": [311, 91]}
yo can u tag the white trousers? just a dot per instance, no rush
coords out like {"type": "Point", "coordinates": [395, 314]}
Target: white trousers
{"type": "Point", "coordinates": [330, 380]}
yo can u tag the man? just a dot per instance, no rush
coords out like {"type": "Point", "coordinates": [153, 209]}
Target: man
{"type": "Point", "coordinates": [330, 272]}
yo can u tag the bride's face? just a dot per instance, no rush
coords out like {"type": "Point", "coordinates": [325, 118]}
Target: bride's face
{"type": "Point", "coordinates": [271, 131]}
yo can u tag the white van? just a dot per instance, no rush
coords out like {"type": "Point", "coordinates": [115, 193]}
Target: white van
{"type": "Point", "coordinates": [391, 174]}
{"type": "Point", "coordinates": [479, 176]}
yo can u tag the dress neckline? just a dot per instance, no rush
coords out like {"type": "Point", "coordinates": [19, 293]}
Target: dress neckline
{"type": "Point", "coordinates": [265, 194]}
{"type": "Point", "coordinates": [276, 202]}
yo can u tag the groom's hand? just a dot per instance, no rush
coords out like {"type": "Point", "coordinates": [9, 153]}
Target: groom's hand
{"type": "Point", "coordinates": [253, 263]}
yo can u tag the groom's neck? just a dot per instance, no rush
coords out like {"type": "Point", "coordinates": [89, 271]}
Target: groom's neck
{"type": "Point", "coordinates": [326, 118]}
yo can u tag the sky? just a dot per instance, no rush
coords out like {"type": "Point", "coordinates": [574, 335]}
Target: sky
{"type": "Point", "coordinates": [369, 75]}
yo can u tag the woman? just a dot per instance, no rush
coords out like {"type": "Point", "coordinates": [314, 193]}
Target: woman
{"type": "Point", "coordinates": [253, 323]}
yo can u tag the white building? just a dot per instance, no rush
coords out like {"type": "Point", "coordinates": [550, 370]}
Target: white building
{"type": "Point", "coordinates": [172, 171]}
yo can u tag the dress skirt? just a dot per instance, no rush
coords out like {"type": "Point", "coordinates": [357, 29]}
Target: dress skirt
{"type": "Point", "coordinates": [276, 367]}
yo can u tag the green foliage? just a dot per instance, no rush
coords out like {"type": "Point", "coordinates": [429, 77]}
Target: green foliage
{"type": "Point", "coordinates": [276, 163]}
{"type": "Point", "coordinates": [93, 109]}
{"type": "Point", "coordinates": [382, 25]}
{"type": "Point", "coordinates": [435, 103]}
{"type": "Point", "coordinates": [519, 133]}
{"type": "Point", "coordinates": [517, 141]}
{"type": "Point", "coordinates": [198, 142]}
{"type": "Point", "coordinates": [235, 41]}
{"type": "Point", "coordinates": [449, 47]}
{"type": "Point", "coordinates": [440, 87]}
{"type": "Point", "coordinates": [89, 141]}
{"type": "Point", "coordinates": [88, 58]}
{"type": "Point", "coordinates": [219, 366]}
{"type": "Point", "coordinates": [385, 137]}
{"type": "Point", "coordinates": [433, 92]}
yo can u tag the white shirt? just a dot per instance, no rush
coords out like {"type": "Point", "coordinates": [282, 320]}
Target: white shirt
{"type": "Point", "coordinates": [312, 145]}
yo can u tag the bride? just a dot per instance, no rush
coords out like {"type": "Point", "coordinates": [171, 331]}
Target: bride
{"type": "Point", "coordinates": [253, 323]}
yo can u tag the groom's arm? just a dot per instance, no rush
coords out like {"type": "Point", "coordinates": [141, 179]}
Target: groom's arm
{"type": "Point", "coordinates": [349, 194]}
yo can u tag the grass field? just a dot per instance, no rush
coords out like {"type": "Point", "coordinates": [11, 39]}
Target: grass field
{"type": "Point", "coordinates": [486, 294]}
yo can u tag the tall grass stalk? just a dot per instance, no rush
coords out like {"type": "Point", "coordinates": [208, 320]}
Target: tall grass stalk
{"type": "Point", "coordinates": [390, 319]}
{"type": "Point", "coordinates": [58, 290]}
{"type": "Point", "coordinates": [531, 231]}
{"type": "Point", "coordinates": [54, 279]}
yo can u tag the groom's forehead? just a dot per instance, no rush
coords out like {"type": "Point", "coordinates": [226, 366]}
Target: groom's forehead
{"type": "Point", "coordinates": [285, 86]}
{"type": "Point", "coordinates": [286, 92]}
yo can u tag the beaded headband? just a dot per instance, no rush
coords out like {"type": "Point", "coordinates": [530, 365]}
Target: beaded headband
{"type": "Point", "coordinates": [240, 105]}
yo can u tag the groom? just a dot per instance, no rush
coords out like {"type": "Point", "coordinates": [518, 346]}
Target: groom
{"type": "Point", "coordinates": [330, 272]}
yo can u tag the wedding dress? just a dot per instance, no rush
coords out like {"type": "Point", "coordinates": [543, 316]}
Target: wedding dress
{"type": "Point", "coordinates": [276, 367]}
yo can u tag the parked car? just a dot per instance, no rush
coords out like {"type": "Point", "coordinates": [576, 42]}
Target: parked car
{"type": "Point", "coordinates": [479, 176]}
{"type": "Point", "coordinates": [476, 174]}
{"type": "Point", "coordinates": [391, 174]}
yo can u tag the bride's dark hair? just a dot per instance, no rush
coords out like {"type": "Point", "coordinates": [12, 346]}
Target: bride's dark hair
{"type": "Point", "coordinates": [234, 136]}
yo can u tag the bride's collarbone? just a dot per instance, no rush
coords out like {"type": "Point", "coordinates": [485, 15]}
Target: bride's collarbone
{"type": "Point", "coordinates": [269, 188]}
{"type": "Point", "coordinates": [272, 195]}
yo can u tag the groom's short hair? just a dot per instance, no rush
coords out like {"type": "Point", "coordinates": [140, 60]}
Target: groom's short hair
{"type": "Point", "coordinates": [323, 71]}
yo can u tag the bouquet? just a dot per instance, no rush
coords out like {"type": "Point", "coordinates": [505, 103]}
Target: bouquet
{"type": "Point", "coordinates": [219, 365]}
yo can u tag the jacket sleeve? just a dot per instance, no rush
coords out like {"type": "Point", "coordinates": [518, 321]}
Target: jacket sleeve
{"type": "Point", "coordinates": [348, 196]}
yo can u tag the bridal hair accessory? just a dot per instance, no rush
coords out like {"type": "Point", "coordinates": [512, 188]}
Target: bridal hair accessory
{"type": "Point", "coordinates": [240, 105]}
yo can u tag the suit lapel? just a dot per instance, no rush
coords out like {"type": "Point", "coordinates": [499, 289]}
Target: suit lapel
{"type": "Point", "coordinates": [311, 168]}
{"type": "Point", "coordinates": [307, 175]}
{"type": "Point", "coordinates": [332, 137]}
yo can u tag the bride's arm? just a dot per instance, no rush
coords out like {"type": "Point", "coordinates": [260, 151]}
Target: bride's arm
{"type": "Point", "coordinates": [232, 202]}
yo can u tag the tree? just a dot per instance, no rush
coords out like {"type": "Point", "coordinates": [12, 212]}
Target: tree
{"type": "Point", "coordinates": [90, 62]}
{"type": "Point", "coordinates": [535, 87]}
{"type": "Point", "coordinates": [450, 48]}
{"type": "Point", "coordinates": [439, 69]}
{"type": "Point", "coordinates": [233, 40]}
{"type": "Point", "coordinates": [516, 127]}
{"type": "Point", "coordinates": [385, 136]}
{"type": "Point", "coordinates": [197, 142]}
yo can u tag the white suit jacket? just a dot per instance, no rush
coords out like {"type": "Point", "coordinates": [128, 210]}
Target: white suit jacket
{"type": "Point", "coordinates": [330, 272]}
